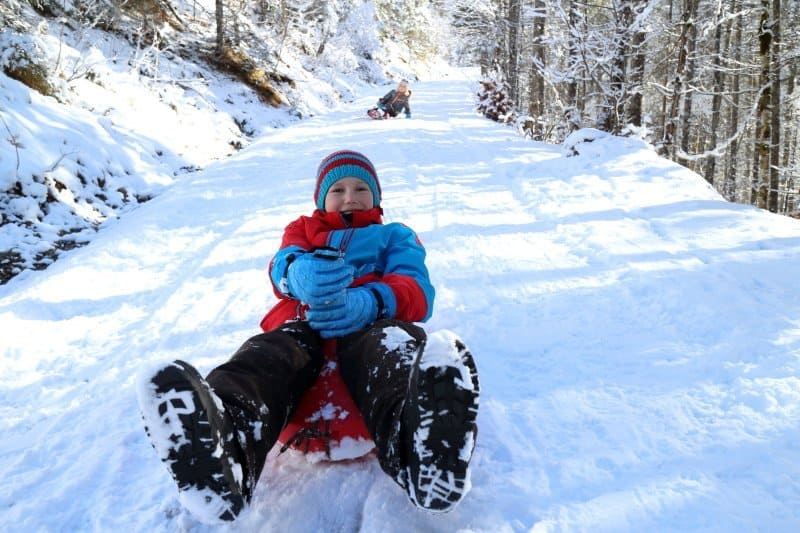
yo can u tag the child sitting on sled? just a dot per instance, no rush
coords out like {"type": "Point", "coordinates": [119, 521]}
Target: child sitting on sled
{"type": "Point", "coordinates": [393, 103]}
{"type": "Point", "coordinates": [350, 289]}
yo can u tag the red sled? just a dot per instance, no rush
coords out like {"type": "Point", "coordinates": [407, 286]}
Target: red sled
{"type": "Point", "coordinates": [376, 114]}
{"type": "Point", "coordinates": [327, 425]}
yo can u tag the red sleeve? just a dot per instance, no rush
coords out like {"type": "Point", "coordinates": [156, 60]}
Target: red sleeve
{"type": "Point", "coordinates": [412, 305]}
{"type": "Point", "coordinates": [295, 235]}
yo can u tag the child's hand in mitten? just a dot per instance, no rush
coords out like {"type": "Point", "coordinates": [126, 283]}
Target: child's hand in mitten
{"type": "Point", "coordinates": [358, 310]}
{"type": "Point", "coordinates": [316, 280]}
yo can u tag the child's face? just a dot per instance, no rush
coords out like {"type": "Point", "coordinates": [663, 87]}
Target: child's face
{"type": "Point", "coordinates": [348, 195]}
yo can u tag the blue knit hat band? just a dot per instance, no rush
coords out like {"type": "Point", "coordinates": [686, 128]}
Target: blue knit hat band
{"type": "Point", "coordinates": [346, 164]}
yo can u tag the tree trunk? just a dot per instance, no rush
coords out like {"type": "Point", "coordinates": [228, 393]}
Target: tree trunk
{"type": "Point", "coordinates": [775, 104]}
{"type": "Point", "coordinates": [790, 162]}
{"type": "Point", "coordinates": [512, 74]}
{"type": "Point", "coordinates": [761, 154]}
{"type": "Point", "coordinates": [716, 99]}
{"type": "Point", "coordinates": [615, 96]}
{"type": "Point", "coordinates": [536, 103]}
{"type": "Point", "coordinates": [663, 146]}
{"type": "Point", "coordinates": [220, 27]}
{"type": "Point", "coordinates": [573, 109]}
{"type": "Point", "coordinates": [730, 187]}
{"type": "Point", "coordinates": [636, 77]}
{"type": "Point", "coordinates": [688, 94]}
{"type": "Point", "coordinates": [678, 83]}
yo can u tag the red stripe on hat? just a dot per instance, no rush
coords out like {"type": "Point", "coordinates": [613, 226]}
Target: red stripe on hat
{"type": "Point", "coordinates": [349, 161]}
{"type": "Point", "coordinates": [346, 161]}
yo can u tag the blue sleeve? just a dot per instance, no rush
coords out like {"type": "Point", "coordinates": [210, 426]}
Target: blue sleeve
{"type": "Point", "coordinates": [405, 276]}
{"type": "Point", "coordinates": [279, 267]}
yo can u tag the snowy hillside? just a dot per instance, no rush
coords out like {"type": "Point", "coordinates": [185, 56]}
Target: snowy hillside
{"type": "Point", "coordinates": [638, 339]}
{"type": "Point", "coordinates": [123, 118]}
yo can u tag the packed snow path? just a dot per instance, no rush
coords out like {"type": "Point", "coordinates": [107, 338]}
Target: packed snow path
{"type": "Point", "coordinates": [638, 338]}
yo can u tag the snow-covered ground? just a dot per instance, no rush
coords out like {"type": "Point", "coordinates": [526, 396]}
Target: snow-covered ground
{"type": "Point", "coordinates": [637, 338]}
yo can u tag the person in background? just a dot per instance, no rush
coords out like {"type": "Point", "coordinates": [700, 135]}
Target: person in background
{"type": "Point", "coordinates": [393, 103]}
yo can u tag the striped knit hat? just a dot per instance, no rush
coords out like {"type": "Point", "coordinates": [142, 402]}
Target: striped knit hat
{"type": "Point", "coordinates": [346, 164]}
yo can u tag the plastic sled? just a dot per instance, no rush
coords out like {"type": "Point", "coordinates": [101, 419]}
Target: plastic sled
{"type": "Point", "coordinates": [327, 425]}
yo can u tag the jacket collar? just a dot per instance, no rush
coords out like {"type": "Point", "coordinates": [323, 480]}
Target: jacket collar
{"type": "Point", "coordinates": [358, 219]}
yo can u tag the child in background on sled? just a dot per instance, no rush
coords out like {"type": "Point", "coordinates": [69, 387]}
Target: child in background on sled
{"type": "Point", "coordinates": [347, 280]}
{"type": "Point", "coordinates": [394, 102]}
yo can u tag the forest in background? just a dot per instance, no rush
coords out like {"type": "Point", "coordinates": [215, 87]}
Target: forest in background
{"type": "Point", "coordinates": [710, 83]}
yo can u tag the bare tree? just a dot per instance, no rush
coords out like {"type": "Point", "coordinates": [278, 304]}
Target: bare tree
{"type": "Point", "coordinates": [574, 108]}
{"type": "Point", "coordinates": [729, 184]}
{"type": "Point", "coordinates": [678, 81]}
{"type": "Point", "coordinates": [536, 102]}
{"type": "Point", "coordinates": [775, 104]}
{"type": "Point", "coordinates": [763, 139]}
{"type": "Point", "coordinates": [512, 66]}
{"type": "Point", "coordinates": [638, 59]}
{"type": "Point", "coordinates": [220, 26]}
{"type": "Point", "coordinates": [686, 116]}
{"type": "Point", "coordinates": [718, 88]}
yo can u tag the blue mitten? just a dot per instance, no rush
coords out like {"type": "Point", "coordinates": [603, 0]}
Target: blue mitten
{"type": "Point", "coordinates": [408, 115]}
{"type": "Point", "coordinates": [318, 281]}
{"type": "Point", "coordinates": [358, 310]}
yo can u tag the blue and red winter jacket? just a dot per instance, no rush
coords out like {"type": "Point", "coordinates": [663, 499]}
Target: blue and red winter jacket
{"type": "Point", "coordinates": [388, 258]}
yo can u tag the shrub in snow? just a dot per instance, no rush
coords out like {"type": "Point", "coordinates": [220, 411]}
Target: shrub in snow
{"type": "Point", "coordinates": [22, 59]}
{"type": "Point", "coordinates": [572, 144]}
{"type": "Point", "coordinates": [493, 100]}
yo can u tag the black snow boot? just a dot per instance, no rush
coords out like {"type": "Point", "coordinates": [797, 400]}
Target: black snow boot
{"type": "Point", "coordinates": [195, 437]}
{"type": "Point", "coordinates": [439, 423]}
